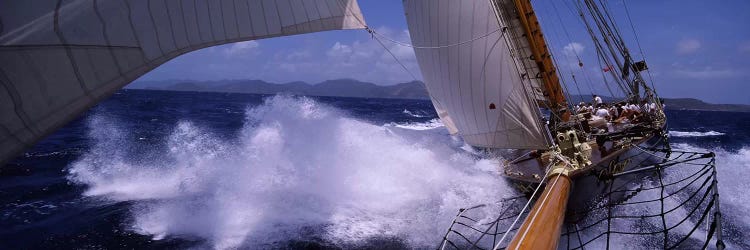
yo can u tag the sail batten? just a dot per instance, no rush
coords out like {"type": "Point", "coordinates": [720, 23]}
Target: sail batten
{"type": "Point", "coordinates": [477, 86]}
{"type": "Point", "coordinates": [59, 58]}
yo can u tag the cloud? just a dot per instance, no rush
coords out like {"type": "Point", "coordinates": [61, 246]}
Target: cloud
{"type": "Point", "coordinates": [707, 73]}
{"type": "Point", "coordinates": [298, 55]}
{"type": "Point", "coordinates": [363, 59]}
{"type": "Point", "coordinates": [570, 54]}
{"type": "Point", "coordinates": [311, 58]}
{"type": "Point", "coordinates": [339, 50]}
{"type": "Point", "coordinates": [744, 47]}
{"type": "Point", "coordinates": [688, 46]}
{"type": "Point", "coordinates": [242, 48]}
{"type": "Point", "coordinates": [573, 49]}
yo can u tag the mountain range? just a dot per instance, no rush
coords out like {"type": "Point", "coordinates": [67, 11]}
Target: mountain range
{"type": "Point", "coordinates": [355, 88]}
{"type": "Point", "coordinates": [338, 87]}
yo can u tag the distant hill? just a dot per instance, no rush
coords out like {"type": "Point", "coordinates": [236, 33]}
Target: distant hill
{"type": "Point", "coordinates": [339, 87]}
{"type": "Point", "coordinates": [695, 104]}
{"type": "Point", "coordinates": [354, 88]}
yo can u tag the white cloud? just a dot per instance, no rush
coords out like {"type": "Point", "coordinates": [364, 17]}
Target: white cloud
{"type": "Point", "coordinates": [364, 60]}
{"type": "Point", "coordinates": [707, 73]}
{"type": "Point", "coordinates": [357, 56]}
{"type": "Point", "coordinates": [299, 55]}
{"type": "Point", "coordinates": [339, 50]}
{"type": "Point", "coordinates": [242, 48]}
{"type": "Point", "coordinates": [570, 54]}
{"type": "Point", "coordinates": [573, 49]}
{"type": "Point", "coordinates": [744, 47]}
{"type": "Point", "coordinates": [688, 46]}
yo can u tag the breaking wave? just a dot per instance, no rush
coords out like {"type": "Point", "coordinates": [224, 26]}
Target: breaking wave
{"type": "Point", "coordinates": [432, 124]}
{"type": "Point", "coordinates": [694, 134]}
{"type": "Point", "coordinates": [296, 166]}
{"type": "Point", "coordinates": [412, 114]}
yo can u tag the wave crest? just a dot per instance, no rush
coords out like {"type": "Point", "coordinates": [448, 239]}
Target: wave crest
{"type": "Point", "coordinates": [295, 164]}
{"type": "Point", "coordinates": [694, 133]}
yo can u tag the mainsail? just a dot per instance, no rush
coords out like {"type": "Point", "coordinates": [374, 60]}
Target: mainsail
{"type": "Point", "coordinates": [473, 64]}
{"type": "Point", "coordinates": [61, 57]}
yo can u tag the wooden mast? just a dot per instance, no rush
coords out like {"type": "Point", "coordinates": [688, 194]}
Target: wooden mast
{"type": "Point", "coordinates": [543, 59]}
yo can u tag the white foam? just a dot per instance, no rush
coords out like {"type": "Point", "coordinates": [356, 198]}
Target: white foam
{"type": "Point", "coordinates": [295, 164]}
{"type": "Point", "coordinates": [693, 133]}
{"type": "Point", "coordinates": [299, 164]}
{"type": "Point", "coordinates": [432, 124]}
{"type": "Point", "coordinates": [733, 172]}
{"type": "Point", "coordinates": [406, 111]}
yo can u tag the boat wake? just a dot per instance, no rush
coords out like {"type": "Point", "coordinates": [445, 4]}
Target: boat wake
{"type": "Point", "coordinates": [694, 134]}
{"type": "Point", "coordinates": [732, 170]}
{"type": "Point", "coordinates": [296, 166]}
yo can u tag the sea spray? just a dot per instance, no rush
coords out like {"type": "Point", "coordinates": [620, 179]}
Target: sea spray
{"type": "Point", "coordinates": [295, 164]}
{"type": "Point", "coordinates": [694, 133]}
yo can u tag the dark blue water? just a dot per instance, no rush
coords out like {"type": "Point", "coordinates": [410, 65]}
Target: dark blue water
{"type": "Point", "coordinates": [42, 206]}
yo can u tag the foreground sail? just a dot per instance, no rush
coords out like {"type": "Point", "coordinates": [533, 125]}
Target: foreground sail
{"type": "Point", "coordinates": [61, 57]}
{"type": "Point", "coordinates": [477, 85]}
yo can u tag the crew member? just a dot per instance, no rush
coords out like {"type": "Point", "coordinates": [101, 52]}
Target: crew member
{"type": "Point", "coordinates": [602, 112]}
{"type": "Point", "coordinates": [597, 100]}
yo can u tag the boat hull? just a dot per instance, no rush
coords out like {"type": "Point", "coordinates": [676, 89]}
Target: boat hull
{"type": "Point", "coordinates": [590, 185]}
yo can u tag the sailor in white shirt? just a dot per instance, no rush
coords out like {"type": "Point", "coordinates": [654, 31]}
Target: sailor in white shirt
{"type": "Point", "coordinates": [581, 107]}
{"type": "Point", "coordinates": [613, 112]}
{"type": "Point", "coordinates": [649, 107]}
{"type": "Point", "coordinates": [597, 100]}
{"type": "Point", "coordinates": [634, 108]}
{"type": "Point", "coordinates": [602, 112]}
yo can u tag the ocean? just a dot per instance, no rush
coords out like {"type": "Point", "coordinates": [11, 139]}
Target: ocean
{"type": "Point", "coordinates": [160, 169]}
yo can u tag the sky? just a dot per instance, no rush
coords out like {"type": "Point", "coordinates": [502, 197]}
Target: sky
{"type": "Point", "coordinates": [694, 48]}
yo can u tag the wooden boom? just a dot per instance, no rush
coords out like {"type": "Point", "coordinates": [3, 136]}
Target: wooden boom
{"type": "Point", "coordinates": [541, 228]}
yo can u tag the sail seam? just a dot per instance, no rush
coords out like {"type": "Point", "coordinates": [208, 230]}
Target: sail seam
{"type": "Point", "coordinates": [223, 20]}
{"type": "Point", "coordinates": [171, 25]}
{"type": "Point", "coordinates": [156, 31]}
{"type": "Point", "coordinates": [250, 18]}
{"type": "Point", "coordinates": [17, 103]}
{"type": "Point", "coordinates": [68, 51]}
{"type": "Point", "coordinates": [236, 18]}
{"type": "Point", "coordinates": [106, 37]}
{"type": "Point", "coordinates": [135, 33]}
{"type": "Point", "coordinates": [184, 24]}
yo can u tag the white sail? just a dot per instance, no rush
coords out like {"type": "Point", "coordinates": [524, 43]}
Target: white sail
{"type": "Point", "coordinates": [477, 85]}
{"type": "Point", "coordinates": [58, 58]}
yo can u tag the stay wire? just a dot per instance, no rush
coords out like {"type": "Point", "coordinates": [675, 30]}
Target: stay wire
{"type": "Point", "coordinates": [372, 32]}
{"type": "Point", "coordinates": [638, 42]}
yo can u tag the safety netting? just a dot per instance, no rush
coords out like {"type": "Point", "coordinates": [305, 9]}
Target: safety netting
{"type": "Point", "coordinates": [673, 203]}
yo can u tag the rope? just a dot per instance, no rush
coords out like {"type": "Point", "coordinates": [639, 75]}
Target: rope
{"type": "Point", "coordinates": [637, 41]}
{"type": "Point", "coordinates": [376, 34]}
{"type": "Point", "coordinates": [367, 28]}
{"type": "Point", "coordinates": [396, 58]}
